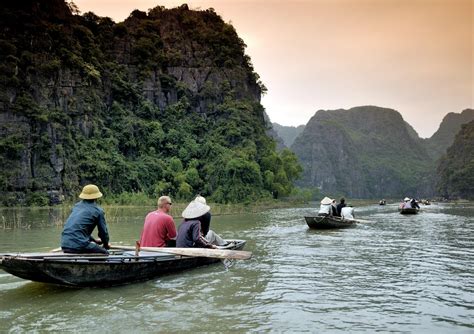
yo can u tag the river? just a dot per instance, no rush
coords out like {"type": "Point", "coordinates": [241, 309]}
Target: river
{"type": "Point", "coordinates": [402, 274]}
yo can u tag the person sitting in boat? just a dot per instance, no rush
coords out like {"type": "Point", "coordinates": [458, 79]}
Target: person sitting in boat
{"type": "Point", "coordinates": [347, 212]}
{"type": "Point", "coordinates": [327, 208]}
{"type": "Point", "coordinates": [189, 232]}
{"type": "Point", "coordinates": [406, 203]}
{"type": "Point", "coordinates": [211, 236]}
{"type": "Point", "coordinates": [159, 229]}
{"type": "Point", "coordinates": [342, 204]}
{"type": "Point", "coordinates": [414, 204]}
{"type": "Point", "coordinates": [86, 215]}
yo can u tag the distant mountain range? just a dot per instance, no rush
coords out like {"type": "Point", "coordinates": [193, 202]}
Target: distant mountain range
{"type": "Point", "coordinates": [370, 152]}
{"type": "Point", "coordinates": [288, 134]}
{"type": "Point", "coordinates": [444, 136]}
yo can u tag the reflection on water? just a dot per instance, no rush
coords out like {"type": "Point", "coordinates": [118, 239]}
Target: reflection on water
{"type": "Point", "coordinates": [397, 274]}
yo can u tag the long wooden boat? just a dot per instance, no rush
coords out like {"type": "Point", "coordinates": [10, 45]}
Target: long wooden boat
{"type": "Point", "coordinates": [98, 270]}
{"type": "Point", "coordinates": [409, 211]}
{"type": "Point", "coordinates": [327, 222]}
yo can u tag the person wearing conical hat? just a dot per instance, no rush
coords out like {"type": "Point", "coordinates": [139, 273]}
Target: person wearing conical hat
{"type": "Point", "coordinates": [211, 236]}
{"type": "Point", "coordinates": [406, 203]}
{"type": "Point", "coordinates": [326, 207]}
{"type": "Point", "coordinates": [86, 215]}
{"type": "Point", "coordinates": [189, 232]}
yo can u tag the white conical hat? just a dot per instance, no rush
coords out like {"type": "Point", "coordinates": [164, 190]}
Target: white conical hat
{"type": "Point", "coordinates": [195, 209]}
{"type": "Point", "coordinates": [326, 201]}
{"type": "Point", "coordinates": [200, 199]}
{"type": "Point", "coordinates": [406, 199]}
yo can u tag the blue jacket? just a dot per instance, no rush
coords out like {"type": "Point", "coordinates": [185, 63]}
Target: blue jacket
{"type": "Point", "coordinates": [85, 216]}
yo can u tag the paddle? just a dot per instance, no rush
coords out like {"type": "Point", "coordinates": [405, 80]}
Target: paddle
{"type": "Point", "coordinates": [195, 252]}
{"type": "Point", "coordinates": [357, 220]}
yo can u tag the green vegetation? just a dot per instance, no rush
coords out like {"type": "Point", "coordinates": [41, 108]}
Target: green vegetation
{"type": "Point", "coordinates": [363, 152]}
{"type": "Point", "coordinates": [456, 167]}
{"type": "Point", "coordinates": [166, 102]}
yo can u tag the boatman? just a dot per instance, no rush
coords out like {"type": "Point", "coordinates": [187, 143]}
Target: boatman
{"type": "Point", "coordinates": [86, 215]}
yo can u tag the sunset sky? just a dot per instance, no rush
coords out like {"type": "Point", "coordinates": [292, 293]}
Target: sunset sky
{"type": "Point", "coordinates": [415, 56]}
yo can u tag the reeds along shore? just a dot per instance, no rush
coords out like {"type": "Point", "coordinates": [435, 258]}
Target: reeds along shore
{"type": "Point", "coordinates": [25, 217]}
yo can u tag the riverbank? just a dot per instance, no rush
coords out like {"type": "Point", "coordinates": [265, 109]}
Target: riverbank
{"type": "Point", "coordinates": [21, 217]}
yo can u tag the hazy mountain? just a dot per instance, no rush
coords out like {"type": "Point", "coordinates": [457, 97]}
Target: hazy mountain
{"type": "Point", "coordinates": [271, 132]}
{"type": "Point", "coordinates": [288, 133]}
{"type": "Point", "coordinates": [456, 168]}
{"type": "Point", "coordinates": [363, 152]}
{"type": "Point", "coordinates": [444, 136]}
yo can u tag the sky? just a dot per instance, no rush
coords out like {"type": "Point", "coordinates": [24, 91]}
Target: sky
{"type": "Point", "coordinates": [414, 56]}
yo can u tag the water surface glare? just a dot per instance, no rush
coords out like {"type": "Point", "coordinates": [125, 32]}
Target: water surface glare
{"type": "Point", "coordinates": [402, 274]}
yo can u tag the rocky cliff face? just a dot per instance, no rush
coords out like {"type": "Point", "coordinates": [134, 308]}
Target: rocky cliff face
{"type": "Point", "coordinates": [456, 168]}
{"type": "Point", "coordinates": [288, 133]}
{"type": "Point", "coordinates": [444, 136]}
{"type": "Point", "coordinates": [363, 152]}
{"type": "Point", "coordinates": [76, 89]}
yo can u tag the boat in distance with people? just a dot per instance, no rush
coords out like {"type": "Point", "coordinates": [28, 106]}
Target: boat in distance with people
{"type": "Point", "coordinates": [328, 222]}
{"type": "Point", "coordinates": [408, 211]}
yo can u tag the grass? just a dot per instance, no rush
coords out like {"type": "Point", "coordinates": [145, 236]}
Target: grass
{"type": "Point", "coordinates": [25, 217]}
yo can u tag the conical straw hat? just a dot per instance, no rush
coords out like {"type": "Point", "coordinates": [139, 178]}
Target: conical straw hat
{"type": "Point", "coordinates": [195, 209]}
{"type": "Point", "coordinates": [326, 201]}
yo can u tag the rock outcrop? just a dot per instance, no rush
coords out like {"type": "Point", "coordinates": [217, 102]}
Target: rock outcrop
{"type": "Point", "coordinates": [363, 152]}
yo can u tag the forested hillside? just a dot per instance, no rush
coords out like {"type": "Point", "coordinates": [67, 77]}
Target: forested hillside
{"type": "Point", "coordinates": [456, 168]}
{"type": "Point", "coordinates": [166, 102]}
{"type": "Point", "coordinates": [444, 136]}
{"type": "Point", "coordinates": [363, 152]}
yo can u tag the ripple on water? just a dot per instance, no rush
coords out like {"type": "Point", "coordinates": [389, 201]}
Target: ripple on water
{"type": "Point", "coordinates": [398, 274]}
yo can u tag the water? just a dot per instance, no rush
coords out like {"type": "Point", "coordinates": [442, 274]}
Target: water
{"type": "Point", "coordinates": [403, 274]}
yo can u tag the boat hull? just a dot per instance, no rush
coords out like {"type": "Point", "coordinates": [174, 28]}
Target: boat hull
{"type": "Point", "coordinates": [100, 271]}
{"type": "Point", "coordinates": [328, 222]}
{"type": "Point", "coordinates": [410, 211]}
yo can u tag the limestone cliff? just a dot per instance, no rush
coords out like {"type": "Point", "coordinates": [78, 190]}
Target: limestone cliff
{"type": "Point", "coordinates": [363, 152]}
{"type": "Point", "coordinates": [166, 101]}
{"type": "Point", "coordinates": [444, 136]}
{"type": "Point", "coordinates": [456, 168]}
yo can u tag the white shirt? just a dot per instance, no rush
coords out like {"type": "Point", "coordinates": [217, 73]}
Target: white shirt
{"type": "Point", "coordinates": [347, 212]}
{"type": "Point", "coordinates": [325, 209]}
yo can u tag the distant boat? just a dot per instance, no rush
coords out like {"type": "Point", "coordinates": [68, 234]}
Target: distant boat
{"type": "Point", "coordinates": [408, 211]}
{"type": "Point", "coordinates": [383, 202]}
{"type": "Point", "coordinates": [328, 222]}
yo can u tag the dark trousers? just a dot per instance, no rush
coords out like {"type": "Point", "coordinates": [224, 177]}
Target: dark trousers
{"type": "Point", "coordinates": [90, 248]}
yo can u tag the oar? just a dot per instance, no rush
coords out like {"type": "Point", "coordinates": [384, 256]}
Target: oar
{"type": "Point", "coordinates": [195, 252]}
{"type": "Point", "coordinates": [357, 220]}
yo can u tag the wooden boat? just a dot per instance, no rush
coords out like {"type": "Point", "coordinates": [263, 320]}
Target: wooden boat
{"type": "Point", "coordinates": [99, 270]}
{"type": "Point", "coordinates": [408, 211]}
{"type": "Point", "coordinates": [327, 222]}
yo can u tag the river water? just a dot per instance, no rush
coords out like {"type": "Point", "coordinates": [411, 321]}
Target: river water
{"type": "Point", "coordinates": [402, 274]}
